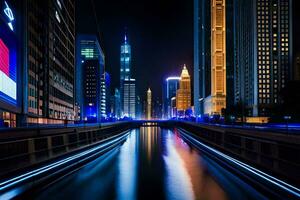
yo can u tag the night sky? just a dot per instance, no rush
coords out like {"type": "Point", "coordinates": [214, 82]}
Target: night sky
{"type": "Point", "coordinates": [160, 33]}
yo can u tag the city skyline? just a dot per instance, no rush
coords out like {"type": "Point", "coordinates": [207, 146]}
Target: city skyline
{"type": "Point", "coordinates": [161, 99]}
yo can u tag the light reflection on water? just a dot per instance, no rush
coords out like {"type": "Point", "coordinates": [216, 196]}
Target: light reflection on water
{"type": "Point", "coordinates": [186, 176]}
{"type": "Point", "coordinates": [127, 169]}
{"type": "Point", "coordinates": [151, 164]}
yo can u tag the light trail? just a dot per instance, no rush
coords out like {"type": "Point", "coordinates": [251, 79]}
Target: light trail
{"type": "Point", "coordinates": [14, 181]}
{"type": "Point", "coordinates": [271, 179]}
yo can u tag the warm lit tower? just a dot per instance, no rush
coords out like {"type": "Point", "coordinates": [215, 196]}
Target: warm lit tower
{"type": "Point", "coordinates": [149, 102]}
{"type": "Point", "coordinates": [183, 95]}
{"type": "Point", "coordinates": [218, 57]}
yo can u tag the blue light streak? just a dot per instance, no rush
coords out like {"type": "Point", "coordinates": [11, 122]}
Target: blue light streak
{"type": "Point", "coordinates": [16, 180]}
{"type": "Point", "coordinates": [283, 185]}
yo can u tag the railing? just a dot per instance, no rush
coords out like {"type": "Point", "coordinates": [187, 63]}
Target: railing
{"type": "Point", "coordinates": [275, 153]}
{"type": "Point", "coordinates": [21, 153]}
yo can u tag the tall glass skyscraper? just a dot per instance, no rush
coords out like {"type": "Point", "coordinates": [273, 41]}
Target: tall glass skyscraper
{"type": "Point", "coordinates": [125, 60]}
{"type": "Point", "coordinates": [129, 98]}
{"type": "Point", "coordinates": [127, 84]}
{"type": "Point", "coordinates": [49, 30]}
{"type": "Point", "coordinates": [264, 52]}
{"type": "Point", "coordinates": [202, 53]}
{"type": "Point", "coordinates": [89, 70]}
{"type": "Point", "coordinates": [171, 85]}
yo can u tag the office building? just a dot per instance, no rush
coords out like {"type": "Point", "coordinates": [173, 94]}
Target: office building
{"type": "Point", "coordinates": [230, 52]}
{"type": "Point", "coordinates": [129, 98]}
{"type": "Point", "coordinates": [202, 53]}
{"type": "Point", "coordinates": [89, 71]}
{"type": "Point", "coordinates": [171, 85]}
{"type": "Point", "coordinates": [149, 104]}
{"type": "Point", "coordinates": [91, 111]}
{"type": "Point", "coordinates": [183, 94]}
{"type": "Point", "coordinates": [49, 49]}
{"type": "Point", "coordinates": [263, 45]}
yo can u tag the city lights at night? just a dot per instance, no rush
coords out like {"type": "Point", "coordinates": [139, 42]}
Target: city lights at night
{"type": "Point", "coordinates": [161, 99]}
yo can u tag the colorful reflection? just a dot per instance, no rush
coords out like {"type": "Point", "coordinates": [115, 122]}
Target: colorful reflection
{"type": "Point", "coordinates": [186, 176]}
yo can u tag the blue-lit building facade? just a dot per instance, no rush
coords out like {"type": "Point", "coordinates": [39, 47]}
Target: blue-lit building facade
{"type": "Point", "coordinates": [105, 95]}
{"type": "Point", "coordinates": [89, 72]}
{"type": "Point", "coordinates": [125, 60]}
{"type": "Point", "coordinates": [127, 83]}
{"type": "Point", "coordinates": [171, 85]}
{"type": "Point", "coordinates": [10, 65]}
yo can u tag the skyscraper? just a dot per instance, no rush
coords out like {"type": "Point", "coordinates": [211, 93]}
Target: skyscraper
{"type": "Point", "coordinates": [202, 53]}
{"type": "Point", "coordinates": [89, 71]}
{"type": "Point", "coordinates": [127, 83]}
{"type": "Point", "coordinates": [49, 49]}
{"type": "Point", "coordinates": [264, 52]}
{"type": "Point", "coordinates": [217, 101]}
{"type": "Point", "coordinates": [91, 110]}
{"type": "Point", "coordinates": [129, 98]}
{"type": "Point", "coordinates": [171, 85]}
{"type": "Point", "coordinates": [183, 94]}
{"type": "Point", "coordinates": [125, 60]}
{"type": "Point", "coordinates": [149, 104]}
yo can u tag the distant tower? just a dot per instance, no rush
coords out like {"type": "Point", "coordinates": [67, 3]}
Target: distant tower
{"type": "Point", "coordinates": [129, 98]}
{"type": "Point", "coordinates": [149, 102]}
{"type": "Point", "coordinates": [183, 95]}
{"type": "Point", "coordinates": [218, 57]}
{"type": "Point", "coordinates": [171, 85]}
{"type": "Point", "coordinates": [125, 60]}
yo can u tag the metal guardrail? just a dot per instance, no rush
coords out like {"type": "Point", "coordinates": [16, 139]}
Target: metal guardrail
{"type": "Point", "coordinates": [277, 155]}
{"type": "Point", "coordinates": [24, 184]}
{"type": "Point", "coordinates": [22, 153]}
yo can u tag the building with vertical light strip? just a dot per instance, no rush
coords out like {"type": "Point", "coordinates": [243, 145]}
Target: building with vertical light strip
{"type": "Point", "coordinates": [263, 64]}
{"type": "Point", "coordinates": [149, 104]}
{"type": "Point", "coordinates": [217, 101]}
{"type": "Point", "coordinates": [170, 87]}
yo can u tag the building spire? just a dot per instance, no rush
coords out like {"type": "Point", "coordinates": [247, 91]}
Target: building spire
{"type": "Point", "coordinates": [125, 37]}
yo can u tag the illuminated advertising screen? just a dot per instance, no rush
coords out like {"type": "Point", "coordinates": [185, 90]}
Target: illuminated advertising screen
{"type": "Point", "coordinates": [8, 62]}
